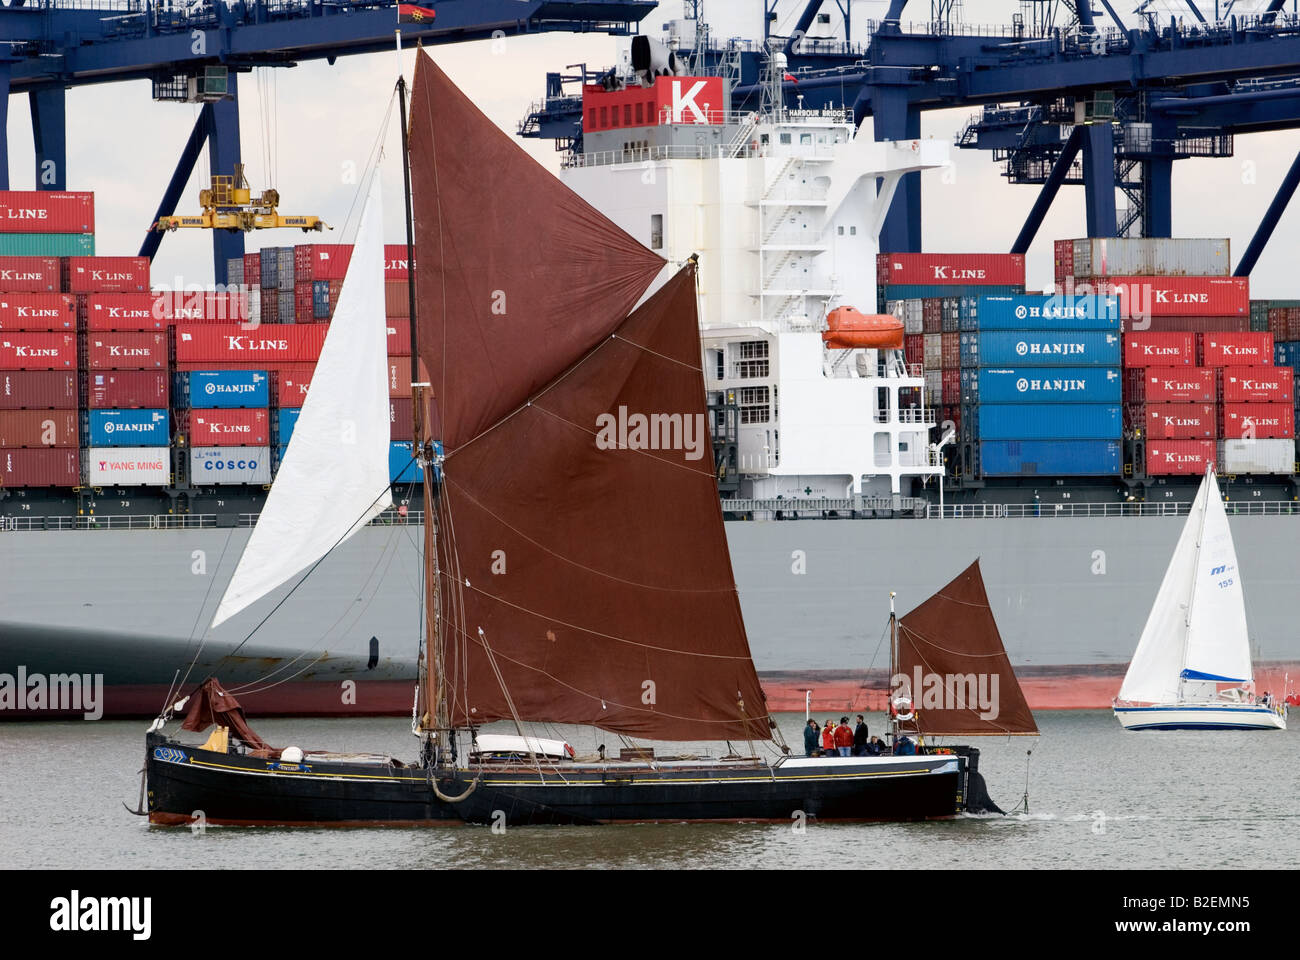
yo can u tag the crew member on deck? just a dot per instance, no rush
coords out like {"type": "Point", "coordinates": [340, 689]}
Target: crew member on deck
{"type": "Point", "coordinates": [861, 737]}
{"type": "Point", "coordinates": [811, 736]}
{"type": "Point", "coordinates": [828, 738]}
{"type": "Point", "coordinates": [844, 738]}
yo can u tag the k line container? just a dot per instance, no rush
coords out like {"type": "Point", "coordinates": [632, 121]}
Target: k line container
{"type": "Point", "coordinates": [128, 428]}
{"type": "Point", "coordinates": [1178, 296]}
{"type": "Point", "coordinates": [1048, 385]}
{"type": "Point", "coordinates": [47, 211]}
{"type": "Point", "coordinates": [290, 382]}
{"type": "Point", "coordinates": [29, 275]}
{"type": "Point", "coordinates": [49, 312]}
{"type": "Point", "coordinates": [203, 306]}
{"type": "Point", "coordinates": [1159, 349]}
{"type": "Point", "coordinates": [122, 389]}
{"type": "Point", "coordinates": [1006, 348]}
{"type": "Point", "coordinates": [1157, 256]}
{"type": "Point", "coordinates": [1177, 385]}
{"type": "Point", "coordinates": [128, 466]}
{"type": "Point", "coordinates": [1050, 458]}
{"type": "Point", "coordinates": [1190, 324]}
{"type": "Point", "coordinates": [230, 465]}
{"type": "Point", "coordinates": [229, 428]}
{"type": "Point", "coordinates": [59, 467]}
{"type": "Point", "coordinates": [47, 244]}
{"type": "Point", "coordinates": [38, 390]}
{"type": "Point", "coordinates": [1179, 457]}
{"type": "Point", "coordinates": [39, 428]}
{"type": "Point", "coordinates": [1236, 349]}
{"type": "Point", "coordinates": [1262, 421]}
{"type": "Point", "coordinates": [271, 344]}
{"type": "Point", "coordinates": [106, 274]}
{"type": "Point", "coordinates": [1258, 385]}
{"type": "Point", "coordinates": [970, 269]}
{"type": "Point", "coordinates": [126, 351]}
{"type": "Point", "coordinates": [1257, 456]}
{"type": "Point", "coordinates": [396, 263]}
{"type": "Point", "coordinates": [1180, 421]}
{"type": "Point", "coordinates": [1048, 421]}
{"type": "Point", "coordinates": [120, 311]}
{"type": "Point", "coordinates": [1049, 313]}
{"type": "Point", "coordinates": [38, 351]}
{"type": "Point", "coordinates": [223, 389]}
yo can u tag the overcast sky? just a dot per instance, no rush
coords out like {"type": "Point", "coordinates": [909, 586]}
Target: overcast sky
{"type": "Point", "coordinates": [322, 121]}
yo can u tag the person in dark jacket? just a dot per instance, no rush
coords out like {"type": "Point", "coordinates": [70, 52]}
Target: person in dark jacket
{"type": "Point", "coordinates": [812, 738]}
{"type": "Point", "coordinates": [861, 737]}
{"type": "Point", "coordinates": [905, 747]}
{"type": "Point", "coordinates": [876, 747]}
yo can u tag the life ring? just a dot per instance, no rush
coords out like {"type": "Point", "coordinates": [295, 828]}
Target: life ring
{"type": "Point", "coordinates": [902, 709]}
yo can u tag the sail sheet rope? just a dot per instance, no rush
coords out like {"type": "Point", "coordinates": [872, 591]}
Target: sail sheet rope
{"type": "Point", "coordinates": [958, 653]}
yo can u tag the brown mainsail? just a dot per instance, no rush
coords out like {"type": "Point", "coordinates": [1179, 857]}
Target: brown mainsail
{"type": "Point", "coordinates": [582, 563]}
{"type": "Point", "coordinates": [957, 670]}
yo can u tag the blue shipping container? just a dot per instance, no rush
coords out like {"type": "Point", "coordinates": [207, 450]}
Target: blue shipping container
{"type": "Point", "coordinates": [1048, 421]}
{"type": "Point", "coordinates": [968, 314]}
{"type": "Point", "coordinates": [1052, 458]}
{"type": "Point", "coordinates": [922, 291]}
{"type": "Point", "coordinates": [129, 428]}
{"type": "Point", "coordinates": [970, 384]}
{"type": "Point", "coordinates": [288, 419]}
{"type": "Point", "coordinates": [270, 266]}
{"type": "Point", "coordinates": [1045, 384]}
{"type": "Point", "coordinates": [1286, 353]}
{"type": "Point", "coordinates": [1049, 313]}
{"type": "Point", "coordinates": [223, 389]}
{"type": "Point", "coordinates": [1040, 348]}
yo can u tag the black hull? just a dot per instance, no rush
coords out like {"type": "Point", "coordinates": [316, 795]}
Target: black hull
{"type": "Point", "coordinates": [237, 790]}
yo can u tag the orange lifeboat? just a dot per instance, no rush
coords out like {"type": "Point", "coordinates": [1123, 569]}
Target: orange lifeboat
{"type": "Point", "coordinates": [848, 328]}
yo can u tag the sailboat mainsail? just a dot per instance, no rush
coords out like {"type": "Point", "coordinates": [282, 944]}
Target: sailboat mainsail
{"type": "Point", "coordinates": [582, 559]}
{"type": "Point", "coordinates": [333, 478]}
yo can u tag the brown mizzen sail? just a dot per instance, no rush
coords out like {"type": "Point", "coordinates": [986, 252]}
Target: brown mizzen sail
{"type": "Point", "coordinates": [582, 561]}
{"type": "Point", "coordinates": [956, 668]}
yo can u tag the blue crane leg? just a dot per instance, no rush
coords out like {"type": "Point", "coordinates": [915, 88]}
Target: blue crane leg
{"type": "Point", "coordinates": [180, 177]}
{"type": "Point", "coordinates": [895, 119]}
{"type": "Point", "coordinates": [1271, 218]}
{"type": "Point", "coordinates": [1048, 193]}
{"type": "Point", "coordinates": [5, 67]}
{"type": "Point", "coordinates": [223, 154]}
{"type": "Point", "coordinates": [1099, 179]}
{"type": "Point", "coordinates": [50, 137]}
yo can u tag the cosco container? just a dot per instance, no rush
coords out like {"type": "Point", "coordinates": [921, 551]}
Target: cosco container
{"type": "Point", "coordinates": [49, 312]}
{"type": "Point", "coordinates": [271, 344]}
{"type": "Point", "coordinates": [1159, 349]}
{"type": "Point", "coordinates": [47, 211]}
{"type": "Point", "coordinates": [1048, 313]}
{"type": "Point", "coordinates": [29, 275]}
{"type": "Point", "coordinates": [128, 466]}
{"type": "Point", "coordinates": [1258, 385]}
{"type": "Point", "coordinates": [38, 351]}
{"type": "Point", "coordinates": [1005, 348]}
{"type": "Point", "coordinates": [127, 389]}
{"type": "Point", "coordinates": [47, 244]}
{"type": "Point", "coordinates": [951, 268]}
{"type": "Point", "coordinates": [1049, 458]}
{"type": "Point", "coordinates": [1236, 349]}
{"type": "Point", "coordinates": [229, 465]}
{"type": "Point", "coordinates": [1167, 458]}
{"type": "Point", "coordinates": [126, 351]}
{"type": "Point", "coordinates": [128, 428]}
{"type": "Point", "coordinates": [223, 389]}
{"type": "Point", "coordinates": [59, 467]}
{"type": "Point", "coordinates": [1257, 456]}
{"type": "Point", "coordinates": [1047, 421]}
{"type": "Point", "coordinates": [39, 428]}
{"type": "Point", "coordinates": [1156, 256]}
{"type": "Point", "coordinates": [228, 428]}
{"type": "Point", "coordinates": [1177, 385]}
{"type": "Point", "coordinates": [106, 274]}
{"type": "Point", "coordinates": [38, 390]}
{"type": "Point", "coordinates": [1262, 421]}
{"type": "Point", "coordinates": [1180, 421]}
{"type": "Point", "coordinates": [1049, 385]}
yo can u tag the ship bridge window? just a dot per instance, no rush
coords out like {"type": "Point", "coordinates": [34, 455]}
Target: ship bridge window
{"type": "Point", "coordinates": [627, 114]}
{"type": "Point", "coordinates": [805, 139]}
{"type": "Point", "coordinates": [640, 114]}
{"type": "Point", "coordinates": [754, 405]}
{"type": "Point", "coordinates": [656, 231]}
{"type": "Point", "coordinates": [751, 359]}
{"type": "Point", "coordinates": [785, 138]}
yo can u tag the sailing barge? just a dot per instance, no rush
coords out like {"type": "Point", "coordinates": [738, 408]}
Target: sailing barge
{"type": "Point", "coordinates": [575, 573]}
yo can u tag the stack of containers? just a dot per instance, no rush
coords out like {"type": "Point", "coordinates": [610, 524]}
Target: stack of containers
{"type": "Point", "coordinates": [1256, 403]}
{"type": "Point", "coordinates": [227, 421]}
{"type": "Point", "coordinates": [46, 223]}
{"type": "Point", "coordinates": [1041, 386]}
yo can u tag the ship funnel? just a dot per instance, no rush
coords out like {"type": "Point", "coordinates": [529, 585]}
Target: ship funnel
{"type": "Point", "coordinates": [651, 58]}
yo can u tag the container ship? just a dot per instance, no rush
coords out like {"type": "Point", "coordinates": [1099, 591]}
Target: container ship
{"type": "Point", "coordinates": [1058, 436]}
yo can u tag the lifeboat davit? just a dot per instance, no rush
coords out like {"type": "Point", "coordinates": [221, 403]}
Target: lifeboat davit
{"type": "Point", "coordinates": [849, 328]}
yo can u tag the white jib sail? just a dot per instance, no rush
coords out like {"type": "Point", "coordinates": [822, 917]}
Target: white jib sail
{"type": "Point", "coordinates": [1153, 675]}
{"type": "Point", "coordinates": [1218, 644]}
{"type": "Point", "coordinates": [334, 476]}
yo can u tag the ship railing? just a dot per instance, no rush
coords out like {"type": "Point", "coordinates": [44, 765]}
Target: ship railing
{"type": "Point", "coordinates": [167, 521]}
{"type": "Point", "coordinates": [1020, 511]}
{"type": "Point", "coordinates": [770, 508]}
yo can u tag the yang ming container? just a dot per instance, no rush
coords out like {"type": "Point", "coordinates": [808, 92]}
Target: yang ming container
{"type": "Point", "coordinates": [1049, 458]}
{"type": "Point", "coordinates": [59, 467]}
{"type": "Point", "coordinates": [128, 466]}
{"type": "Point", "coordinates": [1048, 421]}
{"type": "Point", "coordinates": [128, 428]}
{"type": "Point", "coordinates": [229, 465]}
{"type": "Point", "coordinates": [1048, 348]}
{"type": "Point", "coordinates": [39, 428]}
{"type": "Point", "coordinates": [38, 390]}
{"type": "Point", "coordinates": [1049, 313]}
{"type": "Point", "coordinates": [1049, 385]}
{"type": "Point", "coordinates": [213, 389]}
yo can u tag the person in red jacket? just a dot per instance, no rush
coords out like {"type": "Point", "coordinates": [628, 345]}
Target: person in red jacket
{"type": "Point", "coordinates": [844, 738]}
{"type": "Point", "coordinates": [828, 738]}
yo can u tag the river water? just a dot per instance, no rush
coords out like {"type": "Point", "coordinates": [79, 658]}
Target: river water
{"type": "Point", "coordinates": [1099, 796]}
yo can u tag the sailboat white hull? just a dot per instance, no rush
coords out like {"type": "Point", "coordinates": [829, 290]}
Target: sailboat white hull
{"type": "Point", "coordinates": [1210, 716]}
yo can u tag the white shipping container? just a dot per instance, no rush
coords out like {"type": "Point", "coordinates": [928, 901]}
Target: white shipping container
{"type": "Point", "coordinates": [910, 312]}
{"type": "Point", "coordinates": [128, 466]}
{"type": "Point", "coordinates": [932, 356]}
{"type": "Point", "coordinates": [223, 465]}
{"type": "Point", "coordinates": [933, 386]}
{"type": "Point", "coordinates": [1256, 456]}
{"type": "Point", "coordinates": [1151, 257]}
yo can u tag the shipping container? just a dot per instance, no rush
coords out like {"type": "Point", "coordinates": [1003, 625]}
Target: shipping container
{"type": "Point", "coordinates": [39, 428]}
{"type": "Point", "coordinates": [1175, 296]}
{"type": "Point", "coordinates": [933, 351]}
{"type": "Point", "coordinates": [203, 306]}
{"type": "Point", "coordinates": [253, 270]}
{"type": "Point", "coordinates": [285, 269]}
{"type": "Point", "coordinates": [269, 305]}
{"type": "Point", "coordinates": [49, 312]}
{"type": "Point", "coordinates": [106, 274]}
{"type": "Point", "coordinates": [287, 306]}
{"type": "Point", "coordinates": [951, 314]}
{"type": "Point", "coordinates": [38, 390]}
{"type": "Point", "coordinates": [1236, 349]}
{"type": "Point", "coordinates": [38, 351]}
{"type": "Point", "coordinates": [128, 428]}
{"type": "Point", "coordinates": [230, 465]}
{"type": "Point", "coordinates": [270, 344]}
{"type": "Point", "coordinates": [1180, 421]}
{"type": "Point", "coordinates": [968, 313]}
{"type": "Point", "coordinates": [1262, 421]}
{"type": "Point", "coordinates": [397, 301]}
{"type": "Point", "coordinates": [47, 244]}
{"type": "Point", "coordinates": [400, 422]}
{"type": "Point", "coordinates": [1048, 385]}
{"type": "Point", "coordinates": [1159, 349]}
{"type": "Point", "coordinates": [933, 384]}
{"type": "Point", "coordinates": [47, 211]}
{"type": "Point", "coordinates": [950, 353]}
{"type": "Point", "coordinates": [29, 275]}
{"type": "Point", "coordinates": [1005, 348]}
{"type": "Point", "coordinates": [968, 269]}
{"type": "Point", "coordinates": [302, 302]}
{"type": "Point", "coordinates": [269, 268]}
{"type": "Point", "coordinates": [126, 389]}
{"type": "Point", "coordinates": [1047, 421]}
{"type": "Point", "coordinates": [223, 389]}
{"type": "Point", "coordinates": [286, 420]}
{"type": "Point", "coordinates": [120, 311]}
{"type": "Point", "coordinates": [235, 271]}
{"type": "Point", "coordinates": [396, 262]}
{"type": "Point", "coordinates": [1190, 324]}
{"type": "Point", "coordinates": [322, 261]}
{"type": "Point", "coordinates": [1062, 260]}
{"type": "Point", "coordinates": [1049, 313]}
{"type": "Point", "coordinates": [1050, 458]}
{"type": "Point", "coordinates": [128, 466]}
{"type": "Point", "coordinates": [1166, 458]}
{"type": "Point", "coordinates": [402, 466]}
{"type": "Point", "coordinates": [932, 315]}
{"type": "Point", "coordinates": [290, 383]}
{"type": "Point", "coordinates": [1177, 385]}
{"type": "Point", "coordinates": [126, 351]}
{"type": "Point", "coordinates": [59, 467]}
{"type": "Point", "coordinates": [970, 384]}
{"type": "Point", "coordinates": [1257, 456]}
{"type": "Point", "coordinates": [914, 348]}
{"type": "Point", "coordinates": [228, 428]}
{"type": "Point", "coordinates": [920, 291]}
{"type": "Point", "coordinates": [399, 339]}
{"type": "Point", "coordinates": [1150, 256]}
{"type": "Point", "coordinates": [951, 386]}
{"type": "Point", "coordinates": [1257, 384]}
{"type": "Point", "coordinates": [1287, 354]}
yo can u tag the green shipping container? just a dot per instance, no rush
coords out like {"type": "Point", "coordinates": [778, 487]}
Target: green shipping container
{"type": "Point", "coordinates": [47, 244]}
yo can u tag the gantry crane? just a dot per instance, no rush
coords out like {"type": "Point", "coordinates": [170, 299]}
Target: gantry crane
{"type": "Point", "coordinates": [230, 205]}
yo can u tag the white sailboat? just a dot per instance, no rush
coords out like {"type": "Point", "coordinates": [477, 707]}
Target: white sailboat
{"type": "Point", "coordinates": [1195, 641]}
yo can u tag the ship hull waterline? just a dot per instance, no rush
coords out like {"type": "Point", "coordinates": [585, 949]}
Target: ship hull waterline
{"type": "Point", "coordinates": [186, 785]}
{"type": "Point", "coordinates": [1201, 717]}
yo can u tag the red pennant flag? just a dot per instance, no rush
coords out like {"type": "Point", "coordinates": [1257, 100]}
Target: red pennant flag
{"type": "Point", "coordinates": [791, 77]}
{"type": "Point", "coordinates": [410, 13]}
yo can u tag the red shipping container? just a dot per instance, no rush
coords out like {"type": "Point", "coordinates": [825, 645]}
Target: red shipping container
{"type": "Point", "coordinates": [951, 386]}
{"type": "Point", "coordinates": [46, 211]}
{"type": "Point", "coordinates": [119, 311]}
{"type": "Point", "coordinates": [229, 428]}
{"type": "Point", "coordinates": [106, 274]}
{"type": "Point", "coordinates": [202, 306]}
{"type": "Point", "coordinates": [1178, 385]}
{"type": "Point", "coordinates": [396, 262]}
{"type": "Point", "coordinates": [1236, 349]}
{"type": "Point", "coordinates": [127, 389]}
{"type": "Point", "coordinates": [1280, 323]}
{"type": "Point", "coordinates": [1134, 385]}
{"type": "Point", "coordinates": [950, 353]}
{"type": "Point", "coordinates": [290, 382]}
{"type": "Point", "coordinates": [1062, 260]}
{"type": "Point", "coordinates": [967, 269]}
{"type": "Point", "coordinates": [41, 468]}
{"type": "Point", "coordinates": [126, 351]}
{"type": "Point", "coordinates": [271, 344]}
{"type": "Point", "coordinates": [914, 348]}
{"type": "Point", "coordinates": [29, 275]}
{"type": "Point", "coordinates": [1191, 324]}
{"type": "Point", "coordinates": [399, 338]}
{"type": "Point", "coordinates": [399, 376]}
{"type": "Point", "coordinates": [303, 309]}
{"type": "Point", "coordinates": [328, 261]}
{"type": "Point", "coordinates": [1167, 458]}
{"type": "Point", "coordinates": [1175, 296]}
{"type": "Point", "coordinates": [1257, 384]}
{"type": "Point", "coordinates": [1159, 349]}
{"type": "Point", "coordinates": [932, 315]}
{"type": "Point", "coordinates": [39, 428]}
{"type": "Point", "coordinates": [38, 351]}
{"type": "Point", "coordinates": [1181, 421]}
{"type": "Point", "coordinates": [38, 390]}
{"type": "Point", "coordinates": [397, 299]}
{"type": "Point", "coordinates": [38, 311]}
{"type": "Point", "coordinates": [401, 426]}
{"type": "Point", "coordinates": [252, 270]}
{"type": "Point", "coordinates": [1259, 421]}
